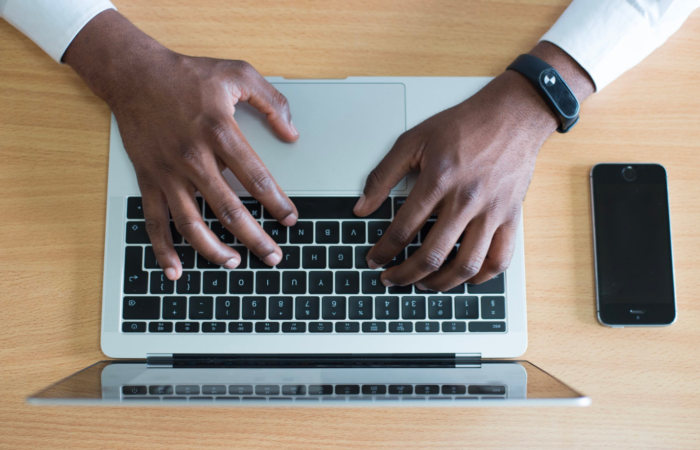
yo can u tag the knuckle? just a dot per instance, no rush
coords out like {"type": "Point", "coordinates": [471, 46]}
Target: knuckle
{"type": "Point", "coordinates": [233, 216]}
{"type": "Point", "coordinates": [375, 177]}
{"type": "Point", "coordinates": [467, 269]}
{"type": "Point", "coordinates": [280, 101]}
{"type": "Point", "coordinates": [431, 261]}
{"type": "Point", "coordinates": [260, 183]}
{"type": "Point", "coordinates": [398, 236]}
{"type": "Point", "coordinates": [155, 227]}
{"type": "Point", "coordinates": [498, 265]}
{"type": "Point", "coordinates": [469, 195]}
{"type": "Point", "coordinates": [243, 67]}
{"type": "Point", "coordinates": [190, 156]}
{"type": "Point", "coordinates": [187, 226]}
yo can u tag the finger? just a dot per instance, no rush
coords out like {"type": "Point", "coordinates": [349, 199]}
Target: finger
{"type": "Point", "coordinates": [431, 255]}
{"type": "Point", "coordinates": [155, 211]}
{"type": "Point", "coordinates": [408, 221]}
{"type": "Point", "coordinates": [388, 173]}
{"type": "Point", "coordinates": [189, 223]}
{"type": "Point", "coordinates": [499, 253]}
{"type": "Point", "coordinates": [235, 151]}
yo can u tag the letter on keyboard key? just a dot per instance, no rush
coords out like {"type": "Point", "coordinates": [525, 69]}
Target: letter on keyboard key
{"type": "Point", "coordinates": [291, 257]}
{"type": "Point", "coordinates": [495, 285]}
{"type": "Point", "coordinates": [293, 282]}
{"type": "Point", "coordinates": [301, 233]}
{"type": "Point", "coordinates": [189, 283]}
{"type": "Point", "coordinates": [327, 232]}
{"type": "Point", "coordinates": [135, 279]}
{"type": "Point", "coordinates": [347, 282]}
{"type": "Point", "coordinates": [307, 308]}
{"type": "Point", "coordinates": [377, 230]}
{"type": "Point", "coordinates": [241, 282]}
{"type": "Point", "coordinates": [149, 259]}
{"type": "Point", "coordinates": [361, 256]}
{"type": "Point", "coordinates": [276, 231]}
{"type": "Point", "coordinates": [354, 232]}
{"type": "Point", "coordinates": [136, 233]}
{"type": "Point", "coordinates": [267, 282]}
{"type": "Point", "coordinates": [214, 282]}
{"type": "Point", "coordinates": [314, 257]}
{"type": "Point", "coordinates": [321, 282]}
{"type": "Point", "coordinates": [371, 283]}
{"type": "Point", "coordinates": [340, 257]}
{"type": "Point", "coordinates": [141, 308]}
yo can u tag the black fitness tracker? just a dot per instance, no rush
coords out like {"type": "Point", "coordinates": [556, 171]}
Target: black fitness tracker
{"type": "Point", "coordinates": [552, 87]}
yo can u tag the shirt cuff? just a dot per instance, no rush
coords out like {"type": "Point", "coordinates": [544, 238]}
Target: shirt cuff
{"type": "Point", "coordinates": [53, 24]}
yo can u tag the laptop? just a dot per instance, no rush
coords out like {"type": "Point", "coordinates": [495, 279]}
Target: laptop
{"type": "Point", "coordinates": [320, 323]}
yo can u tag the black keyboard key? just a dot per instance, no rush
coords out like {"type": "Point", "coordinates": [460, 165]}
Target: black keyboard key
{"type": "Point", "coordinates": [459, 289]}
{"type": "Point", "coordinates": [454, 327]}
{"type": "Point", "coordinates": [440, 307]}
{"type": "Point", "coordinates": [276, 231]}
{"type": "Point", "coordinates": [401, 389]}
{"type": "Point", "coordinates": [340, 257]}
{"type": "Point", "coordinates": [291, 257]}
{"type": "Point", "coordinates": [347, 389]}
{"type": "Point", "coordinates": [413, 308]}
{"type": "Point", "coordinates": [187, 390]}
{"type": "Point", "coordinates": [361, 256]}
{"type": "Point", "coordinates": [214, 327]}
{"type": "Point", "coordinates": [374, 389]}
{"type": "Point", "coordinates": [253, 205]}
{"type": "Point", "coordinates": [267, 327]}
{"type": "Point", "coordinates": [134, 327]}
{"type": "Point", "coordinates": [135, 279]}
{"type": "Point", "coordinates": [136, 233]}
{"type": "Point", "coordinates": [141, 308]}
{"type": "Point", "coordinates": [227, 308]}
{"type": "Point", "coordinates": [307, 308]}
{"type": "Point", "coordinates": [292, 389]}
{"type": "Point", "coordinates": [201, 308]}
{"type": "Point", "coordinates": [454, 389]}
{"type": "Point", "coordinates": [398, 259]}
{"type": "Point", "coordinates": [208, 212]}
{"type": "Point", "coordinates": [187, 327]}
{"type": "Point", "coordinates": [186, 255]}
{"type": "Point", "coordinates": [321, 282]}
{"type": "Point", "coordinates": [267, 282]}
{"type": "Point", "coordinates": [214, 282]}
{"type": "Point", "coordinates": [400, 327]}
{"type": "Point", "coordinates": [244, 256]}
{"type": "Point", "coordinates": [160, 390]}
{"type": "Point", "coordinates": [411, 249]}
{"type": "Point", "coordinates": [263, 389]}
{"type": "Point", "coordinates": [240, 327]}
{"type": "Point", "coordinates": [495, 285]}
{"type": "Point", "coordinates": [374, 327]}
{"type": "Point", "coordinates": [160, 284]}
{"type": "Point", "coordinates": [427, 389]}
{"type": "Point", "coordinates": [354, 232]}
{"type": "Point", "coordinates": [175, 308]}
{"type": "Point", "coordinates": [254, 308]}
{"type": "Point", "coordinates": [360, 308]}
{"type": "Point", "coordinates": [314, 257]}
{"type": "Point", "coordinates": [222, 233]}
{"type": "Point", "coordinates": [240, 282]}
{"type": "Point", "coordinates": [347, 327]}
{"type": "Point", "coordinates": [160, 327]}
{"type": "Point", "coordinates": [327, 232]}
{"type": "Point", "coordinates": [334, 208]}
{"type": "Point", "coordinates": [149, 258]}
{"type": "Point", "coordinates": [320, 327]}
{"type": "Point", "coordinates": [293, 327]}
{"type": "Point", "coordinates": [203, 263]}
{"type": "Point", "coordinates": [217, 389]}
{"type": "Point", "coordinates": [294, 282]}
{"type": "Point", "coordinates": [408, 289]}
{"type": "Point", "coordinates": [240, 389]}
{"type": "Point", "coordinates": [371, 283]}
{"type": "Point", "coordinates": [427, 327]}
{"type": "Point", "coordinates": [189, 283]}
{"type": "Point", "coordinates": [376, 230]}
{"type": "Point", "coordinates": [257, 263]}
{"type": "Point", "coordinates": [134, 390]}
{"type": "Point", "coordinates": [334, 308]}
{"type": "Point", "coordinates": [493, 308]}
{"type": "Point", "coordinates": [281, 308]}
{"type": "Point", "coordinates": [134, 208]}
{"type": "Point", "coordinates": [301, 233]}
{"type": "Point", "coordinates": [347, 282]}
{"type": "Point", "coordinates": [386, 307]}
{"type": "Point", "coordinates": [466, 307]}
{"type": "Point", "coordinates": [321, 389]}
{"type": "Point", "coordinates": [425, 229]}
{"type": "Point", "coordinates": [487, 390]}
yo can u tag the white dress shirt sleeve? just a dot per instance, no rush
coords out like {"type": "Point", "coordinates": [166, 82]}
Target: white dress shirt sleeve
{"type": "Point", "coordinates": [51, 24]}
{"type": "Point", "coordinates": [609, 37]}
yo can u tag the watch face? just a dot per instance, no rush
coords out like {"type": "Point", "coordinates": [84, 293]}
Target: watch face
{"type": "Point", "coordinates": [559, 92]}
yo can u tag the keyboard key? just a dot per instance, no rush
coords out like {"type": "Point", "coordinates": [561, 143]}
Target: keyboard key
{"type": "Point", "coordinates": [254, 308]}
{"type": "Point", "coordinates": [413, 308]}
{"type": "Point", "coordinates": [321, 389]}
{"type": "Point", "coordinates": [214, 282]}
{"type": "Point", "coordinates": [280, 308]}
{"type": "Point", "coordinates": [354, 232]}
{"type": "Point", "coordinates": [174, 308]}
{"type": "Point", "coordinates": [459, 289]}
{"type": "Point", "coordinates": [227, 308]}
{"type": "Point", "coordinates": [160, 284]}
{"type": "Point", "coordinates": [136, 233]}
{"type": "Point", "coordinates": [240, 389]}
{"type": "Point", "coordinates": [334, 308]}
{"type": "Point", "coordinates": [177, 237]}
{"type": "Point", "coordinates": [135, 279]}
{"type": "Point", "coordinates": [376, 230]}
{"type": "Point", "coordinates": [302, 233]}
{"type": "Point", "coordinates": [133, 327]}
{"type": "Point", "coordinates": [320, 327]}
{"type": "Point", "coordinates": [374, 389]}
{"type": "Point", "coordinates": [201, 308]}
{"type": "Point", "coordinates": [360, 308]}
{"type": "Point", "coordinates": [293, 327]}
{"type": "Point", "coordinates": [149, 258]}
{"type": "Point", "coordinates": [307, 308]}
{"type": "Point", "coordinates": [340, 257]}
{"type": "Point", "coordinates": [253, 205]}
{"type": "Point", "coordinates": [141, 308]}
{"type": "Point", "coordinates": [386, 307]}
{"type": "Point", "coordinates": [189, 283]}
{"type": "Point", "coordinates": [267, 282]}
{"type": "Point", "coordinates": [291, 257]}
{"type": "Point", "coordinates": [160, 327]}
{"type": "Point", "coordinates": [347, 282]}
{"type": "Point", "coordinates": [186, 255]}
{"type": "Point", "coordinates": [160, 390]}
{"type": "Point", "coordinates": [427, 327]}
{"type": "Point", "coordinates": [187, 390]}
{"type": "Point", "coordinates": [334, 208]}
{"type": "Point", "coordinates": [134, 208]}
{"type": "Point", "coordinates": [401, 289]}
{"type": "Point", "coordinates": [267, 390]}
{"type": "Point", "coordinates": [487, 390]}
{"type": "Point", "coordinates": [440, 307]}
{"type": "Point", "coordinates": [214, 327]}
{"type": "Point", "coordinates": [495, 285]}
{"type": "Point", "coordinates": [347, 389]}
{"type": "Point", "coordinates": [374, 327]}
{"type": "Point", "coordinates": [293, 389]}
{"type": "Point", "coordinates": [327, 232]}
{"type": "Point", "coordinates": [400, 389]}
{"type": "Point", "coordinates": [347, 327]}
{"type": "Point", "coordinates": [371, 283]}
{"type": "Point", "coordinates": [222, 233]}
{"type": "Point", "coordinates": [257, 263]}
{"type": "Point", "coordinates": [187, 327]}
{"type": "Point", "coordinates": [293, 282]}
{"type": "Point", "coordinates": [321, 282]}
{"type": "Point", "coordinates": [240, 282]}
{"type": "Point", "coordinates": [209, 389]}
{"type": "Point", "coordinates": [240, 327]}
{"type": "Point", "coordinates": [425, 229]}
{"type": "Point", "coordinates": [134, 390]}
{"type": "Point", "coordinates": [203, 263]}
{"type": "Point", "coordinates": [400, 327]}
{"type": "Point", "coordinates": [452, 389]}
{"type": "Point", "coordinates": [466, 307]}
{"type": "Point", "coordinates": [487, 327]}
{"type": "Point", "coordinates": [396, 260]}
{"type": "Point", "coordinates": [427, 389]}
{"type": "Point", "coordinates": [276, 231]}
{"type": "Point", "coordinates": [361, 256]}
{"type": "Point", "coordinates": [493, 307]}
{"type": "Point", "coordinates": [454, 327]}
{"type": "Point", "coordinates": [267, 327]}
{"type": "Point", "coordinates": [244, 256]}
{"type": "Point", "coordinates": [314, 257]}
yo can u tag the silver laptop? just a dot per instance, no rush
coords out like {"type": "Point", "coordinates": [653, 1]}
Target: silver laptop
{"type": "Point", "coordinates": [321, 306]}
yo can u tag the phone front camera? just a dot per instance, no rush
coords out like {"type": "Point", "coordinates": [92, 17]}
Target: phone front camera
{"type": "Point", "coordinates": [629, 174]}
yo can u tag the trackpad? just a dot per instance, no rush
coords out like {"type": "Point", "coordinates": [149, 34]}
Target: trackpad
{"type": "Point", "coordinates": [345, 130]}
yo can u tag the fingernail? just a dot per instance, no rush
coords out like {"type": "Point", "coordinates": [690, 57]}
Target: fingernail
{"type": "Point", "coordinates": [294, 129]}
{"type": "Point", "coordinates": [272, 259]}
{"type": "Point", "coordinates": [171, 273]}
{"type": "Point", "coordinates": [372, 264]}
{"type": "Point", "coordinates": [289, 220]}
{"type": "Point", "coordinates": [421, 286]}
{"type": "Point", "coordinates": [360, 203]}
{"type": "Point", "coordinates": [387, 283]}
{"type": "Point", "coordinates": [232, 263]}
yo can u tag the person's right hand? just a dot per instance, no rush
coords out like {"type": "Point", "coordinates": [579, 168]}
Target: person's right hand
{"type": "Point", "coordinates": [175, 115]}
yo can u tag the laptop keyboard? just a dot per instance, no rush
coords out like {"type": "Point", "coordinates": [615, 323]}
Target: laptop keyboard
{"type": "Point", "coordinates": [322, 285]}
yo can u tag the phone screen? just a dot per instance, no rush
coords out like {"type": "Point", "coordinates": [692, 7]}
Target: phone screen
{"type": "Point", "coordinates": [633, 244]}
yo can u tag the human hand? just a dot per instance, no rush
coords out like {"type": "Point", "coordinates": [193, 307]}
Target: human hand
{"type": "Point", "coordinates": [175, 116]}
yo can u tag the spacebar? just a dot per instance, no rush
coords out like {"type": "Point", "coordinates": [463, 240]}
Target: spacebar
{"type": "Point", "coordinates": [333, 208]}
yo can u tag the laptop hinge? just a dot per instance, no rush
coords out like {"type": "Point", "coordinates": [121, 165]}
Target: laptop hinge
{"type": "Point", "coordinates": [464, 360]}
{"type": "Point", "coordinates": [159, 360]}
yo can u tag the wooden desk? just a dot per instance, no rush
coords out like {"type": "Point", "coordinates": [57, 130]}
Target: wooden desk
{"type": "Point", "coordinates": [53, 172]}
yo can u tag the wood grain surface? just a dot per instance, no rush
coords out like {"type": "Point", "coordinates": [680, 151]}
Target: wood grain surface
{"type": "Point", "coordinates": [53, 180]}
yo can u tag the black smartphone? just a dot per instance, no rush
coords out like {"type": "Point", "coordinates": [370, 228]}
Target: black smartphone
{"type": "Point", "coordinates": [632, 245]}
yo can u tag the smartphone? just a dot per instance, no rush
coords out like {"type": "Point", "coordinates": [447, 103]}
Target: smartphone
{"type": "Point", "coordinates": [632, 245]}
